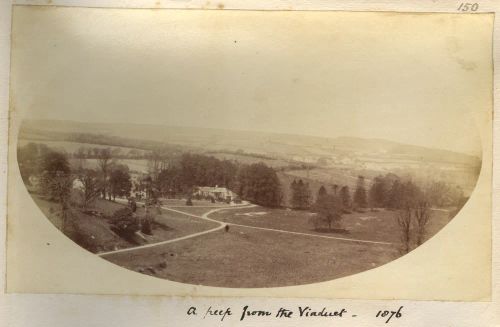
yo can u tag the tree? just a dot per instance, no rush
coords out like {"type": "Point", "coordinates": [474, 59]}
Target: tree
{"type": "Point", "coordinates": [404, 221]}
{"type": "Point", "coordinates": [321, 193]}
{"type": "Point", "coordinates": [394, 200]}
{"type": "Point", "coordinates": [345, 197]}
{"type": "Point", "coordinates": [422, 217]}
{"type": "Point", "coordinates": [378, 192]}
{"type": "Point", "coordinates": [54, 166]}
{"type": "Point", "coordinates": [56, 181]}
{"type": "Point", "coordinates": [119, 183]}
{"type": "Point", "coordinates": [89, 180]}
{"type": "Point", "coordinates": [259, 184]}
{"type": "Point", "coordinates": [335, 188]}
{"type": "Point", "coordinates": [360, 193]}
{"type": "Point", "coordinates": [28, 158]}
{"type": "Point", "coordinates": [104, 161]}
{"type": "Point", "coordinates": [329, 211]}
{"type": "Point", "coordinates": [81, 154]}
{"type": "Point", "coordinates": [301, 195]}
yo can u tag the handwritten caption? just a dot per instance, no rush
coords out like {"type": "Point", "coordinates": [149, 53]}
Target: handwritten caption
{"type": "Point", "coordinates": [247, 313]}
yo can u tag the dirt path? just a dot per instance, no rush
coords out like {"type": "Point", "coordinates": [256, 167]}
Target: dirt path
{"type": "Point", "coordinates": [223, 225]}
{"type": "Point", "coordinates": [204, 217]}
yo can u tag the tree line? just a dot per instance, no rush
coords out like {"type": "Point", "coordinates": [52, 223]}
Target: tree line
{"type": "Point", "coordinates": [411, 203]}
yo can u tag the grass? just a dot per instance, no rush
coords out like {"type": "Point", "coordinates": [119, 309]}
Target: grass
{"type": "Point", "coordinates": [90, 232]}
{"type": "Point", "coordinates": [95, 234]}
{"type": "Point", "coordinates": [242, 256]}
{"type": "Point", "coordinates": [245, 257]}
{"type": "Point", "coordinates": [374, 226]}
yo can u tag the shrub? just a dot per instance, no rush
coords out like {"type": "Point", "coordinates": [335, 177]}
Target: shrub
{"type": "Point", "coordinates": [146, 227]}
{"type": "Point", "coordinates": [123, 213]}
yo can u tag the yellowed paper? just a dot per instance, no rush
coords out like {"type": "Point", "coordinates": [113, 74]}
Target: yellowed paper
{"type": "Point", "coordinates": [257, 80]}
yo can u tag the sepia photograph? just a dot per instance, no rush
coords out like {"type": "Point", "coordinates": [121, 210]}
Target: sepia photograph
{"type": "Point", "coordinates": [318, 146]}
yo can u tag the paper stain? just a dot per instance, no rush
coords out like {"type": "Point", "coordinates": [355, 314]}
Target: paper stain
{"type": "Point", "coordinates": [454, 48]}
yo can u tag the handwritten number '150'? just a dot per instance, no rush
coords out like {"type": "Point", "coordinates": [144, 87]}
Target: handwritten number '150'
{"type": "Point", "coordinates": [465, 6]}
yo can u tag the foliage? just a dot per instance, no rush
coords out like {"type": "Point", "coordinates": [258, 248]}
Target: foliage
{"type": "Point", "coordinates": [125, 224]}
{"type": "Point", "coordinates": [422, 216]}
{"type": "Point", "coordinates": [404, 221]}
{"type": "Point", "coordinates": [329, 210]}
{"type": "Point", "coordinates": [259, 184]}
{"type": "Point", "coordinates": [91, 184]}
{"type": "Point", "coordinates": [119, 183]}
{"type": "Point", "coordinates": [345, 197]}
{"type": "Point", "coordinates": [301, 194]}
{"type": "Point", "coordinates": [360, 193]}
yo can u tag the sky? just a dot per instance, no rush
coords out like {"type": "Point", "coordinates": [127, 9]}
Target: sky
{"type": "Point", "coordinates": [412, 78]}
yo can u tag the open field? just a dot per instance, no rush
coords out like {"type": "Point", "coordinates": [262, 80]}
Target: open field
{"type": "Point", "coordinates": [139, 165]}
{"type": "Point", "coordinates": [249, 159]}
{"type": "Point", "coordinates": [245, 257]}
{"type": "Point", "coordinates": [72, 147]}
{"type": "Point", "coordinates": [372, 226]}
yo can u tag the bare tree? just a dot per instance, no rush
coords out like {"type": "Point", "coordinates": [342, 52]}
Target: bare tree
{"type": "Point", "coordinates": [90, 186]}
{"type": "Point", "coordinates": [104, 161]}
{"type": "Point", "coordinates": [404, 222]}
{"type": "Point", "coordinates": [80, 154]}
{"type": "Point", "coordinates": [422, 217]}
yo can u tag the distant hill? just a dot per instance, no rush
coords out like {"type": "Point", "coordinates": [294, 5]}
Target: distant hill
{"type": "Point", "coordinates": [285, 146]}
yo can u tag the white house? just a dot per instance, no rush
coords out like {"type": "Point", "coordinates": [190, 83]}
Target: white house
{"type": "Point", "coordinates": [218, 193]}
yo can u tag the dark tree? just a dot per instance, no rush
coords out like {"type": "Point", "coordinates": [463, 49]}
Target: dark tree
{"type": "Point", "coordinates": [104, 161]}
{"type": "Point", "coordinates": [119, 183]}
{"type": "Point", "coordinates": [378, 192]}
{"type": "Point", "coordinates": [360, 193]}
{"type": "Point", "coordinates": [345, 197]}
{"type": "Point", "coordinates": [301, 195]}
{"type": "Point", "coordinates": [422, 217]}
{"type": "Point", "coordinates": [329, 211]}
{"type": "Point", "coordinates": [89, 179]}
{"type": "Point", "coordinates": [56, 181]}
{"type": "Point", "coordinates": [259, 184]}
{"type": "Point", "coordinates": [404, 221]}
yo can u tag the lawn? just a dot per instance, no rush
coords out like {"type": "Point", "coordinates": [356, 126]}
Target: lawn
{"type": "Point", "coordinates": [90, 232]}
{"type": "Point", "coordinates": [245, 257]}
{"type": "Point", "coordinates": [94, 233]}
{"type": "Point", "coordinates": [379, 225]}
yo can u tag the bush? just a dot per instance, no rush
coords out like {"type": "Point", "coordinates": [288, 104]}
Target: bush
{"type": "Point", "coordinates": [146, 228]}
{"type": "Point", "coordinates": [189, 202]}
{"type": "Point", "coordinates": [123, 213]}
{"type": "Point", "coordinates": [125, 224]}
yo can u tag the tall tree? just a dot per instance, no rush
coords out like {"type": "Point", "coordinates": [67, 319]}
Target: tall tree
{"type": "Point", "coordinates": [378, 192]}
{"type": "Point", "coordinates": [89, 180]}
{"type": "Point", "coordinates": [329, 211]}
{"type": "Point", "coordinates": [345, 196]}
{"type": "Point", "coordinates": [260, 184]}
{"type": "Point", "coordinates": [422, 217]}
{"type": "Point", "coordinates": [119, 183]}
{"type": "Point", "coordinates": [404, 219]}
{"type": "Point", "coordinates": [104, 161]}
{"type": "Point", "coordinates": [56, 181]}
{"type": "Point", "coordinates": [301, 195]}
{"type": "Point", "coordinates": [360, 193]}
